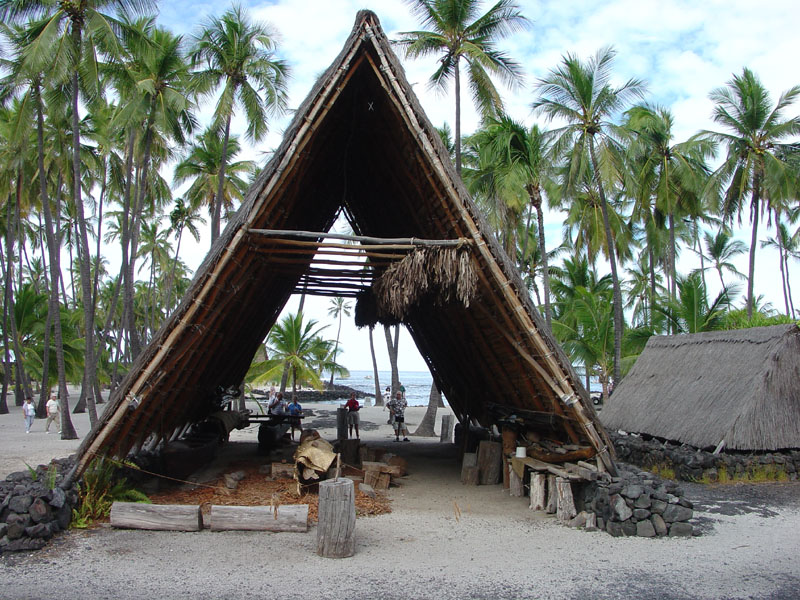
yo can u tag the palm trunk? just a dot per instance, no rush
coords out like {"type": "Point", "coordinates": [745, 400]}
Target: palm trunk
{"type": "Point", "coordinates": [536, 200]}
{"type": "Point", "coordinates": [168, 301]}
{"type": "Point", "coordinates": [6, 348]}
{"type": "Point", "coordinates": [336, 347]}
{"type": "Point", "coordinates": [652, 265]}
{"type": "Point", "coordinates": [457, 72]}
{"type": "Point", "coordinates": [426, 426]}
{"type": "Point", "coordinates": [618, 323]}
{"type": "Point", "coordinates": [127, 216]}
{"type": "Point", "coordinates": [378, 395]}
{"type": "Point", "coordinates": [392, 348]}
{"type": "Point", "coordinates": [753, 241]}
{"type": "Point", "coordinates": [217, 216]}
{"type": "Point", "coordinates": [788, 283]}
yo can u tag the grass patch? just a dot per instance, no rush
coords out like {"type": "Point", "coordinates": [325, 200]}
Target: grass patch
{"type": "Point", "coordinates": [663, 470]}
{"type": "Point", "coordinates": [753, 474]}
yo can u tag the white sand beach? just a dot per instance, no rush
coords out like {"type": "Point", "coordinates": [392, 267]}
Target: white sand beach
{"type": "Point", "coordinates": [442, 540]}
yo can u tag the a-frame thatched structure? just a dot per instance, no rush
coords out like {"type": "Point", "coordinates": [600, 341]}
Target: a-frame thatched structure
{"type": "Point", "coordinates": [741, 387]}
{"type": "Point", "coordinates": [360, 143]}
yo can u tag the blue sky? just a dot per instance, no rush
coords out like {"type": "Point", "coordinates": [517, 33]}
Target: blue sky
{"type": "Point", "coordinates": [682, 49]}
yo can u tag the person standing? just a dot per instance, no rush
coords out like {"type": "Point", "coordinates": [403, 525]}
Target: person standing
{"type": "Point", "coordinates": [28, 413]}
{"type": "Point", "coordinates": [398, 409]}
{"type": "Point", "coordinates": [53, 409]}
{"type": "Point", "coordinates": [295, 412]}
{"type": "Point", "coordinates": [353, 419]}
{"type": "Point", "coordinates": [277, 406]}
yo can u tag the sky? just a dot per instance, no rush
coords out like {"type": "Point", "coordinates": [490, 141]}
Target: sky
{"type": "Point", "coordinates": [681, 49]}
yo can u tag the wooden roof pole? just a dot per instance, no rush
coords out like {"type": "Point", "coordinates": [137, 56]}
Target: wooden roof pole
{"type": "Point", "coordinates": [412, 241]}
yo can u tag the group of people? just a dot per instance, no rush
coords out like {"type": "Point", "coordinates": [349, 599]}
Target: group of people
{"type": "Point", "coordinates": [278, 406]}
{"type": "Point", "coordinates": [397, 410]}
{"type": "Point", "coordinates": [53, 413]}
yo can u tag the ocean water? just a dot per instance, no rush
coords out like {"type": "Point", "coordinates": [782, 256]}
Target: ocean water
{"type": "Point", "coordinates": [417, 384]}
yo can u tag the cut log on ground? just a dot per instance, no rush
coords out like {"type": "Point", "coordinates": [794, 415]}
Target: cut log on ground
{"type": "Point", "coordinates": [552, 495]}
{"type": "Point", "coordinates": [469, 469]}
{"type": "Point", "coordinates": [159, 517]}
{"type": "Point", "coordinates": [565, 507]}
{"type": "Point", "coordinates": [336, 528]}
{"type": "Point", "coordinates": [448, 421]}
{"type": "Point", "coordinates": [538, 488]}
{"type": "Point", "coordinates": [286, 517]}
{"type": "Point", "coordinates": [283, 470]}
{"type": "Point", "coordinates": [514, 483]}
{"type": "Point", "coordinates": [490, 462]}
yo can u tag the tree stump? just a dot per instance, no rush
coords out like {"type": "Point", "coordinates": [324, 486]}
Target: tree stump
{"type": "Point", "coordinates": [469, 469]}
{"type": "Point", "coordinates": [552, 495]}
{"type": "Point", "coordinates": [538, 489]}
{"type": "Point", "coordinates": [514, 483]}
{"type": "Point", "coordinates": [490, 462]}
{"type": "Point", "coordinates": [447, 428]}
{"type": "Point", "coordinates": [565, 506]}
{"type": "Point", "coordinates": [350, 452]}
{"type": "Point", "coordinates": [336, 527]}
{"type": "Point", "coordinates": [341, 423]}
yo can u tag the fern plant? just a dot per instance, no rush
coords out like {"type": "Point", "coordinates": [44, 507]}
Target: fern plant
{"type": "Point", "coordinates": [98, 490]}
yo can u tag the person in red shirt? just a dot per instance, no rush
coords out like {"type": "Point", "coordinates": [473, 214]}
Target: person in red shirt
{"type": "Point", "coordinates": [353, 407]}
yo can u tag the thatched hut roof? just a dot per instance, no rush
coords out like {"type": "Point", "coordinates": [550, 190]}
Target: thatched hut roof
{"type": "Point", "coordinates": [361, 144]}
{"type": "Point", "coordinates": [739, 386]}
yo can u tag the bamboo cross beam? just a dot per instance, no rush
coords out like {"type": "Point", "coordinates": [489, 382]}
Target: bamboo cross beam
{"type": "Point", "coordinates": [412, 241]}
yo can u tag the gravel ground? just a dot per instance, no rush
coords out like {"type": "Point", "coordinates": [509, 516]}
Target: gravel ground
{"type": "Point", "coordinates": [442, 540]}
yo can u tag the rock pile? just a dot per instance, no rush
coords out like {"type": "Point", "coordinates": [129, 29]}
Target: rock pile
{"type": "Point", "coordinates": [34, 508]}
{"type": "Point", "coordinates": [637, 503]}
{"type": "Point", "coordinates": [693, 464]}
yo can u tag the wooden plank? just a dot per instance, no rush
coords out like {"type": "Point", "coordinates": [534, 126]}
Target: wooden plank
{"type": "Point", "coordinates": [587, 465]}
{"type": "Point", "coordinates": [538, 465]}
{"type": "Point", "coordinates": [358, 238]}
{"type": "Point", "coordinates": [159, 517]}
{"type": "Point", "coordinates": [582, 472]}
{"type": "Point", "coordinates": [447, 428]}
{"type": "Point", "coordinates": [286, 517]}
{"type": "Point", "coordinates": [469, 468]}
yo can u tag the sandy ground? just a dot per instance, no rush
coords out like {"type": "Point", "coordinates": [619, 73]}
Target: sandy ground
{"type": "Point", "coordinates": [442, 540]}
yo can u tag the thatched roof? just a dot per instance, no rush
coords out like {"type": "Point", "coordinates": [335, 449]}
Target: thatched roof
{"type": "Point", "coordinates": [360, 143]}
{"type": "Point", "coordinates": [739, 386]}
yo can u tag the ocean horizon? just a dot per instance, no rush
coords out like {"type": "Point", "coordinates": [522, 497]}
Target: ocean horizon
{"type": "Point", "coordinates": [417, 384]}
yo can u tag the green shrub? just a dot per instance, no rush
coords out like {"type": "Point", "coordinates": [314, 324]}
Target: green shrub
{"type": "Point", "coordinates": [98, 489]}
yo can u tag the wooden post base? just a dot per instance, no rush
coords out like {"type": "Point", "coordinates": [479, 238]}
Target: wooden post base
{"type": "Point", "coordinates": [336, 526]}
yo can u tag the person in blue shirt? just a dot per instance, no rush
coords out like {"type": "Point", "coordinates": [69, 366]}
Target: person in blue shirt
{"type": "Point", "coordinates": [295, 412]}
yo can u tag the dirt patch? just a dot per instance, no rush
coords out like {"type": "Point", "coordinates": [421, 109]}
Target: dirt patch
{"type": "Point", "coordinates": [255, 489]}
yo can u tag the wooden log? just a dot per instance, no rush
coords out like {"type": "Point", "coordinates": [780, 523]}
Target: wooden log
{"type": "Point", "coordinates": [336, 527]}
{"type": "Point", "coordinates": [552, 495]}
{"type": "Point", "coordinates": [514, 483]}
{"type": "Point", "coordinates": [341, 423]}
{"type": "Point", "coordinates": [490, 462]}
{"type": "Point", "coordinates": [506, 467]}
{"type": "Point", "coordinates": [349, 450]}
{"type": "Point", "coordinates": [565, 504]}
{"type": "Point", "coordinates": [509, 441]}
{"type": "Point", "coordinates": [469, 461]}
{"type": "Point", "coordinates": [583, 472]}
{"type": "Point", "coordinates": [538, 465]}
{"type": "Point", "coordinates": [286, 517]}
{"type": "Point", "coordinates": [538, 488]}
{"type": "Point", "coordinates": [161, 517]}
{"type": "Point", "coordinates": [562, 457]}
{"type": "Point", "coordinates": [591, 521]}
{"type": "Point", "coordinates": [446, 435]}
{"type": "Point", "coordinates": [587, 465]}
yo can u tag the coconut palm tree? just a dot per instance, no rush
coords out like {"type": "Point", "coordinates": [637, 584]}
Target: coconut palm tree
{"type": "Point", "coordinates": [459, 32]}
{"type": "Point", "coordinates": [785, 244]}
{"type": "Point", "coordinates": [292, 344]}
{"type": "Point", "coordinates": [337, 308]}
{"type": "Point", "coordinates": [202, 166]}
{"type": "Point", "coordinates": [581, 94]}
{"type": "Point", "coordinates": [691, 311]}
{"type": "Point", "coordinates": [182, 217]}
{"type": "Point", "coordinates": [755, 138]}
{"type": "Point", "coordinates": [721, 249]}
{"type": "Point", "coordinates": [239, 55]}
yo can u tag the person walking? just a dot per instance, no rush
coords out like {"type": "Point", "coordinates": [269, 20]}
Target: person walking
{"type": "Point", "coordinates": [295, 412]}
{"type": "Point", "coordinates": [353, 419]}
{"type": "Point", "coordinates": [28, 413]}
{"type": "Point", "coordinates": [398, 410]}
{"type": "Point", "coordinates": [53, 415]}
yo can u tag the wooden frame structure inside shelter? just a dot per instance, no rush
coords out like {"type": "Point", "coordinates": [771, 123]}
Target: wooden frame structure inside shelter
{"type": "Point", "coordinates": [361, 145]}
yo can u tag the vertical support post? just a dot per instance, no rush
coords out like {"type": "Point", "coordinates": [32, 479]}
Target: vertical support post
{"type": "Point", "coordinates": [336, 525]}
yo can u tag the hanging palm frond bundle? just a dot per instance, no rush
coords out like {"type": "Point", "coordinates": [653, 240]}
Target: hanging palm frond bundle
{"type": "Point", "coordinates": [442, 275]}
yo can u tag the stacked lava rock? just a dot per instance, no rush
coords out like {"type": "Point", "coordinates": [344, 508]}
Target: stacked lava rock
{"type": "Point", "coordinates": [637, 503]}
{"type": "Point", "coordinates": [34, 507]}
